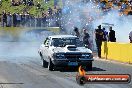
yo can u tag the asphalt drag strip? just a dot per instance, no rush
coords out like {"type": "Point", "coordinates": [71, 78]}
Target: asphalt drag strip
{"type": "Point", "coordinates": [32, 74]}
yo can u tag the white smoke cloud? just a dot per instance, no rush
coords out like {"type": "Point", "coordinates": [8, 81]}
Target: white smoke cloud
{"type": "Point", "coordinates": [88, 15]}
{"type": "Point", "coordinates": [24, 45]}
{"type": "Point", "coordinates": [122, 25]}
{"type": "Point", "coordinates": [78, 14]}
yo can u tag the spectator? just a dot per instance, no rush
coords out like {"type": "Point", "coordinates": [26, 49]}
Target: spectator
{"type": "Point", "coordinates": [86, 38]}
{"type": "Point", "coordinates": [44, 19]}
{"type": "Point", "coordinates": [27, 19]}
{"type": "Point", "coordinates": [15, 3]}
{"type": "Point", "coordinates": [4, 19]}
{"type": "Point", "coordinates": [130, 36]}
{"type": "Point", "coordinates": [9, 17]}
{"type": "Point", "coordinates": [14, 20]}
{"type": "Point", "coordinates": [30, 3]}
{"type": "Point", "coordinates": [32, 21]}
{"type": "Point", "coordinates": [22, 19]}
{"type": "Point", "coordinates": [115, 2]}
{"type": "Point", "coordinates": [38, 21]}
{"type": "Point", "coordinates": [56, 2]}
{"type": "Point", "coordinates": [12, 2]}
{"type": "Point", "coordinates": [50, 11]}
{"type": "Point", "coordinates": [112, 37]}
{"type": "Point", "coordinates": [105, 35]}
{"type": "Point", "coordinates": [38, 5]}
{"type": "Point", "coordinates": [76, 32]}
{"type": "Point", "coordinates": [103, 5]}
{"type": "Point", "coordinates": [18, 18]}
{"type": "Point", "coordinates": [123, 7]}
{"type": "Point", "coordinates": [99, 39]}
{"type": "Point", "coordinates": [24, 2]}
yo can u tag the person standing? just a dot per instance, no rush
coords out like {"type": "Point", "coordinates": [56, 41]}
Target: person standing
{"type": "Point", "coordinates": [22, 19]}
{"type": "Point", "coordinates": [76, 32]}
{"type": "Point", "coordinates": [24, 2]}
{"type": "Point", "coordinates": [4, 18]}
{"type": "Point", "coordinates": [112, 37]}
{"type": "Point", "coordinates": [50, 11]}
{"type": "Point", "coordinates": [14, 19]}
{"type": "Point", "coordinates": [105, 35]}
{"type": "Point", "coordinates": [9, 21]}
{"type": "Point", "coordinates": [130, 36]}
{"type": "Point", "coordinates": [99, 39]}
{"type": "Point", "coordinates": [86, 38]}
{"type": "Point", "coordinates": [18, 17]}
{"type": "Point", "coordinates": [56, 3]}
{"type": "Point", "coordinates": [38, 5]}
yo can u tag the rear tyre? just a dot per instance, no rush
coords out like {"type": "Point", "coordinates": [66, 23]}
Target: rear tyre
{"type": "Point", "coordinates": [50, 66]}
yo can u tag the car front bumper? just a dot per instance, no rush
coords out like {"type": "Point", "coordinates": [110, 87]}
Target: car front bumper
{"type": "Point", "coordinates": [67, 63]}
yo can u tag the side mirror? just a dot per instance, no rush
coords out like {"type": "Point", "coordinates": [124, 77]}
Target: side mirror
{"type": "Point", "coordinates": [47, 44]}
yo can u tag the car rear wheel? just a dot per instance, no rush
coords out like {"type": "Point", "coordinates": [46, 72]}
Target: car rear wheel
{"type": "Point", "coordinates": [50, 66]}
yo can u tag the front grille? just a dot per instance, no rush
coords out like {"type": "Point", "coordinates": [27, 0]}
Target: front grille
{"type": "Point", "coordinates": [73, 56]}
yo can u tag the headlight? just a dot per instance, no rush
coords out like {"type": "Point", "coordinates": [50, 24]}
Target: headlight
{"type": "Point", "coordinates": [60, 56]}
{"type": "Point", "coordinates": [86, 55]}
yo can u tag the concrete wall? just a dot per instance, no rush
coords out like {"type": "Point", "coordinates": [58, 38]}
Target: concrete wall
{"type": "Point", "coordinates": [121, 52]}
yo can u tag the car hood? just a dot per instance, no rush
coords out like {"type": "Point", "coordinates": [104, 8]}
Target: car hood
{"type": "Point", "coordinates": [65, 49]}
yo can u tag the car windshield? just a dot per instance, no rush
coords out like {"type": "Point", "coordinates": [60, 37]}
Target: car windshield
{"type": "Point", "coordinates": [62, 42]}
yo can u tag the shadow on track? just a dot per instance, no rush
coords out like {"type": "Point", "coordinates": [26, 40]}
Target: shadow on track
{"type": "Point", "coordinates": [97, 69]}
{"type": "Point", "coordinates": [75, 69]}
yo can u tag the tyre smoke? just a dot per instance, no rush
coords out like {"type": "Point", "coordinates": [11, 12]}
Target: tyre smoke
{"type": "Point", "coordinates": [22, 43]}
{"type": "Point", "coordinates": [89, 15]}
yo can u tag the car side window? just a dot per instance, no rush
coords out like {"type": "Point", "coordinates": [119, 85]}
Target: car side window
{"type": "Point", "coordinates": [46, 42]}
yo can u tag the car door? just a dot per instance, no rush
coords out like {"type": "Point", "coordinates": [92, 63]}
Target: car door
{"type": "Point", "coordinates": [45, 49]}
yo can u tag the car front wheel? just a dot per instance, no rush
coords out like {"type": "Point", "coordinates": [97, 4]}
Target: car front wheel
{"type": "Point", "coordinates": [89, 66]}
{"type": "Point", "coordinates": [44, 63]}
{"type": "Point", "coordinates": [50, 66]}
